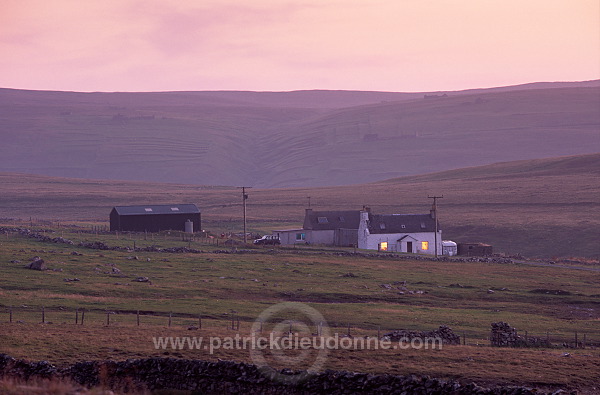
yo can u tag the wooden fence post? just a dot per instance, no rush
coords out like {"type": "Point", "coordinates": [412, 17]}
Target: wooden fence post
{"type": "Point", "coordinates": [138, 318]}
{"type": "Point", "coordinates": [107, 318]}
{"type": "Point", "coordinates": [10, 315]}
{"type": "Point", "coordinates": [464, 339]}
{"type": "Point", "coordinates": [576, 342]}
{"type": "Point", "coordinates": [76, 316]}
{"type": "Point", "coordinates": [82, 315]}
{"type": "Point", "coordinates": [43, 315]}
{"type": "Point", "coordinates": [170, 315]}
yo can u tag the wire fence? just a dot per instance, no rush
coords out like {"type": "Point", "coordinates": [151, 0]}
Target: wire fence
{"type": "Point", "coordinates": [234, 322]}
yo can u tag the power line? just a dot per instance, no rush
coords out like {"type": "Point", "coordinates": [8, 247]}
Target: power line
{"type": "Point", "coordinates": [435, 218]}
{"type": "Point", "coordinates": [244, 198]}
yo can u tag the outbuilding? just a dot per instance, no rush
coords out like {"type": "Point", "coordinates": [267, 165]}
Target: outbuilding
{"type": "Point", "coordinates": [475, 249]}
{"type": "Point", "coordinates": [155, 218]}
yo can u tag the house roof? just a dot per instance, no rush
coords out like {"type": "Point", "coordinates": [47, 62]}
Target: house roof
{"type": "Point", "coordinates": [331, 220]}
{"type": "Point", "coordinates": [153, 209]}
{"type": "Point", "coordinates": [401, 223]}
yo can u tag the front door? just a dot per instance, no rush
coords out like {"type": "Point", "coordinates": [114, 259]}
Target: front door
{"type": "Point", "coordinates": [409, 246]}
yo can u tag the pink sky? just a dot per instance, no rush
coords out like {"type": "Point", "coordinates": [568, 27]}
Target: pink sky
{"type": "Point", "coordinates": [280, 45]}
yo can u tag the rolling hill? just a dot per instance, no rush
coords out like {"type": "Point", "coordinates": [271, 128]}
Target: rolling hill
{"type": "Point", "coordinates": [544, 207]}
{"type": "Point", "coordinates": [287, 139]}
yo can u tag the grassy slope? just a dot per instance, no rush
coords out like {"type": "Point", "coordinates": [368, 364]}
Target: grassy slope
{"type": "Point", "coordinates": [546, 207]}
{"type": "Point", "coordinates": [287, 139]}
{"type": "Point", "coordinates": [214, 285]}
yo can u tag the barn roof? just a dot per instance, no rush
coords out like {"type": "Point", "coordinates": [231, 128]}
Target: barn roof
{"type": "Point", "coordinates": [157, 209]}
{"type": "Point", "coordinates": [401, 223]}
{"type": "Point", "coordinates": [331, 220]}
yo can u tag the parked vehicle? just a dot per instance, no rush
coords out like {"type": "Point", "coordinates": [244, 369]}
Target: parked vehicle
{"type": "Point", "coordinates": [268, 240]}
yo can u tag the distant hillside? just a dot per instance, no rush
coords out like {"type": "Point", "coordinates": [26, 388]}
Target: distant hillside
{"type": "Point", "coordinates": [545, 207]}
{"type": "Point", "coordinates": [285, 139]}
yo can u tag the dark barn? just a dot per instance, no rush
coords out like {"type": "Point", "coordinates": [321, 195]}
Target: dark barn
{"type": "Point", "coordinates": [154, 218]}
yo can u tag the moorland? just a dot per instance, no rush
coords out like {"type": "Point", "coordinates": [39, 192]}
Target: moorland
{"type": "Point", "coordinates": [536, 208]}
{"type": "Point", "coordinates": [362, 294]}
{"type": "Point", "coordinates": [287, 139]}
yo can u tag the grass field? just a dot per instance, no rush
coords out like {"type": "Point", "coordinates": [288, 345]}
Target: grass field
{"type": "Point", "coordinates": [219, 286]}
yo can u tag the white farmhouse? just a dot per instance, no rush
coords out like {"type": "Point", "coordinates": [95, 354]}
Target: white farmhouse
{"type": "Point", "coordinates": [412, 233]}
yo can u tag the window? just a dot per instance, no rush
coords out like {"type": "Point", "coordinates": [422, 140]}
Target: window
{"type": "Point", "coordinates": [424, 245]}
{"type": "Point", "coordinates": [148, 210]}
{"type": "Point", "coordinates": [383, 246]}
{"type": "Point", "coordinates": [300, 236]}
{"type": "Point", "coordinates": [382, 226]}
{"type": "Point", "coordinates": [322, 220]}
{"type": "Point", "coordinates": [174, 208]}
{"type": "Point", "coordinates": [341, 219]}
{"type": "Point", "coordinates": [422, 225]}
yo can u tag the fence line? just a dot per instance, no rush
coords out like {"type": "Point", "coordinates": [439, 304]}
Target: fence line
{"type": "Point", "coordinates": [578, 339]}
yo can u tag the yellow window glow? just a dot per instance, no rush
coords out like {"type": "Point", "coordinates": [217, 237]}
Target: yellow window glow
{"type": "Point", "coordinates": [383, 246]}
{"type": "Point", "coordinates": [424, 245]}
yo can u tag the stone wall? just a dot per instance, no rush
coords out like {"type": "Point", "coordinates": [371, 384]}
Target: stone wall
{"type": "Point", "coordinates": [230, 377]}
{"type": "Point", "coordinates": [503, 335]}
{"type": "Point", "coordinates": [443, 333]}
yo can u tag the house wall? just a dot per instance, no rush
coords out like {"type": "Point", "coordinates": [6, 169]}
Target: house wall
{"type": "Point", "coordinates": [372, 242]}
{"type": "Point", "coordinates": [339, 237]}
{"type": "Point", "coordinates": [325, 237]}
{"type": "Point", "coordinates": [346, 237]}
{"type": "Point", "coordinates": [288, 237]}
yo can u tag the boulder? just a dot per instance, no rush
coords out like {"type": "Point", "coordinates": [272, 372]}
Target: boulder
{"type": "Point", "coordinates": [37, 264]}
{"type": "Point", "coordinates": [141, 280]}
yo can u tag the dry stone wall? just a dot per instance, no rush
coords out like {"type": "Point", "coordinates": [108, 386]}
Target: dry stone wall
{"type": "Point", "coordinates": [230, 377]}
{"type": "Point", "coordinates": [503, 335]}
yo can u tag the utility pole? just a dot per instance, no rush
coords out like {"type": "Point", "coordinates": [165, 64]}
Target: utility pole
{"type": "Point", "coordinates": [244, 198]}
{"type": "Point", "coordinates": [435, 218]}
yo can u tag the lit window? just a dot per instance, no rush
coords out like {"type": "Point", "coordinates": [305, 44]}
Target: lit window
{"type": "Point", "coordinates": [424, 245]}
{"type": "Point", "coordinates": [148, 209]}
{"type": "Point", "coordinates": [382, 226]}
{"type": "Point", "coordinates": [300, 236]}
{"type": "Point", "coordinates": [322, 220]}
{"type": "Point", "coordinates": [422, 225]}
{"type": "Point", "coordinates": [383, 246]}
{"type": "Point", "coordinates": [174, 208]}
